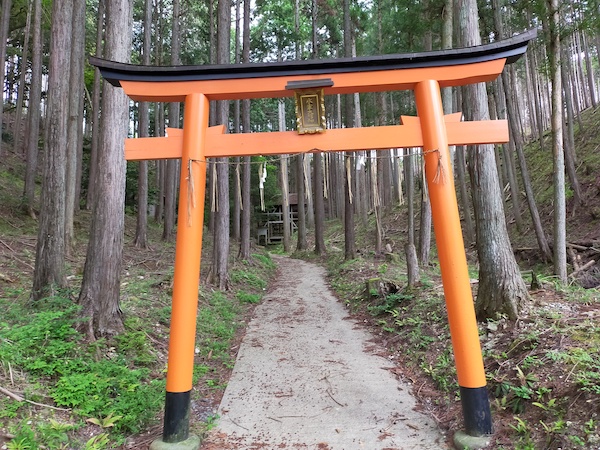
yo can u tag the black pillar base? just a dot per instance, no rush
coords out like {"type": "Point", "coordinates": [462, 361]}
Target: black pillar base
{"type": "Point", "coordinates": [177, 417]}
{"type": "Point", "coordinates": [476, 411]}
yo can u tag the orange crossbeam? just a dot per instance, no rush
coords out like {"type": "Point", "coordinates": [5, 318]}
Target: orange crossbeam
{"type": "Point", "coordinates": [219, 144]}
{"type": "Point", "coordinates": [344, 83]}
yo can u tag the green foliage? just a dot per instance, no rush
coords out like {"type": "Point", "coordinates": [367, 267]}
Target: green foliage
{"type": "Point", "coordinates": [216, 327]}
{"type": "Point", "coordinates": [54, 434]}
{"type": "Point", "coordinates": [247, 278]}
{"type": "Point", "coordinates": [47, 345]}
{"type": "Point", "coordinates": [44, 343]}
{"type": "Point", "coordinates": [245, 297]}
{"type": "Point", "coordinates": [391, 302]}
{"type": "Point", "coordinates": [266, 262]}
{"type": "Point", "coordinates": [98, 442]}
{"type": "Point", "coordinates": [24, 437]}
{"type": "Point", "coordinates": [111, 386]}
{"type": "Point", "coordinates": [516, 396]}
{"type": "Point", "coordinates": [134, 346]}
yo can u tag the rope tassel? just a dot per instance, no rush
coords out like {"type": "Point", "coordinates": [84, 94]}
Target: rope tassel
{"type": "Point", "coordinates": [440, 173]}
{"type": "Point", "coordinates": [191, 197]}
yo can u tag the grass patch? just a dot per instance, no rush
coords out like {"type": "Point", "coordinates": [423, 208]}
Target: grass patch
{"type": "Point", "coordinates": [114, 385]}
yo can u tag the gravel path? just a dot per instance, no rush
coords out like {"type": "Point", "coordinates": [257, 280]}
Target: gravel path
{"type": "Point", "coordinates": [308, 377]}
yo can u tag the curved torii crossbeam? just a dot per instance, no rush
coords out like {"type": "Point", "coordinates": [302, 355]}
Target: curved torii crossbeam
{"type": "Point", "coordinates": [424, 73]}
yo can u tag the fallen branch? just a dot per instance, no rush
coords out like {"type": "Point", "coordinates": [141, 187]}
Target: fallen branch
{"type": "Point", "coordinates": [18, 398]}
{"type": "Point", "coordinates": [6, 245]}
{"type": "Point", "coordinates": [586, 266]}
{"type": "Point", "coordinates": [578, 247]}
{"type": "Point", "coordinates": [11, 394]}
{"type": "Point", "coordinates": [574, 258]}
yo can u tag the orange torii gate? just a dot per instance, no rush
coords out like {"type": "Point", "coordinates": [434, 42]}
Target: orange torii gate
{"type": "Point", "coordinates": [424, 73]}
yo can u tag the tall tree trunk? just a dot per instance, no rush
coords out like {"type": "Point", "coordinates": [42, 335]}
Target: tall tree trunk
{"type": "Point", "coordinates": [318, 211]}
{"type": "Point", "coordinates": [501, 288]}
{"type": "Point", "coordinates": [349, 164]}
{"type": "Point", "coordinates": [161, 165]}
{"type": "Point", "coordinates": [237, 188]}
{"type": "Point", "coordinates": [141, 229]}
{"type": "Point", "coordinates": [75, 118]}
{"type": "Point", "coordinates": [301, 194]}
{"type": "Point", "coordinates": [33, 117]}
{"type": "Point", "coordinates": [461, 167]}
{"type": "Point", "coordinates": [49, 273]}
{"type": "Point", "coordinates": [283, 177]}
{"type": "Point", "coordinates": [425, 217]}
{"type": "Point", "coordinates": [560, 220]}
{"type": "Point", "coordinates": [172, 164]}
{"type": "Point", "coordinates": [569, 138]}
{"type": "Point", "coordinates": [4, 24]}
{"type": "Point", "coordinates": [411, 252]}
{"type": "Point", "coordinates": [507, 154]}
{"type": "Point", "coordinates": [518, 142]}
{"type": "Point", "coordinates": [536, 100]}
{"type": "Point", "coordinates": [100, 297]}
{"type": "Point", "coordinates": [244, 252]}
{"type": "Point", "coordinates": [571, 71]}
{"type": "Point", "coordinates": [319, 204]}
{"type": "Point", "coordinates": [22, 82]}
{"type": "Point", "coordinates": [589, 70]}
{"type": "Point", "coordinates": [221, 240]}
{"type": "Point", "coordinates": [93, 164]}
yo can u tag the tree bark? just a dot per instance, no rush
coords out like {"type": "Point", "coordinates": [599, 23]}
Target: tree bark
{"type": "Point", "coordinates": [501, 288]}
{"type": "Point", "coordinates": [22, 82]}
{"type": "Point", "coordinates": [507, 155]}
{"type": "Point", "coordinates": [49, 273]}
{"type": "Point", "coordinates": [569, 137]}
{"type": "Point", "coordinates": [589, 70]}
{"type": "Point", "coordinates": [518, 142]}
{"type": "Point", "coordinates": [33, 117]}
{"type": "Point", "coordinates": [91, 191]}
{"type": "Point", "coordinates": [301, 193]}
{"type": "Point", "coordinates": [100, 297]}
{"type": "Point", "coordinates": [319, 204]}
{"type": "Point", "coordinates": [172, 164]}
{"type": "Point", "coordinates": [4, 24]}
{"type": "Point", "coordinates": [75, 118]}
{"type": "Point", "coordinates": [244, 252]}
{"type": "Point", "coordinates": [221, 241]}
{"type": "Point", "coordinates": [141, 229]}
{"type": "Point", "coordinates": [560, 221]}
{"type": "Point", "coordinates": [284, 180]}
{"type": "Point", "coordinates": [461, 167]}
{"type": "Point", "coordinates": [425, 211]}
{"type": "Point", "coordinates": [411, 253]}
{"type": "Point", "coordinates": [536, 101]}
{"type": "Point", "coordinates": [349, 164]}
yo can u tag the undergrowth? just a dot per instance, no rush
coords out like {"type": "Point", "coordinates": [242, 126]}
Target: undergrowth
{"type": "Point", "coordinates": [542, 372]}
{"type": "Point", "coordinates": [66, 389]}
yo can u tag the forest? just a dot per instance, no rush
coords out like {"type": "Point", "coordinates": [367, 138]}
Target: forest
{"type": "Point", "coordinates": [87, 238]}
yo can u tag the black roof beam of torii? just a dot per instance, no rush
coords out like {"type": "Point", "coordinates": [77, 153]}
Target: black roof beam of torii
{"type": "Point", "coordinates": [511, 49]}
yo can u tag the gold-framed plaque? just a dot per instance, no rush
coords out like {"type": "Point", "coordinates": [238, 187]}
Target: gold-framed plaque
{"type": "Point", "coordinates": [310, 104]}
{"type": "Point", "coordinates": [310, 111]}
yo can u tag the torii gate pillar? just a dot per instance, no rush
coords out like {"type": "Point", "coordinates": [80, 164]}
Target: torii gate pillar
{"type": "Point", "coordinates": [186, 278]}
{"type": "Point", "coordinates": [453, 261]}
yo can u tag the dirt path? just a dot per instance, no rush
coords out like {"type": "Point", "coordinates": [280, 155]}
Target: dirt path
{"type": "Point", "coordinates": [308, 377]}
